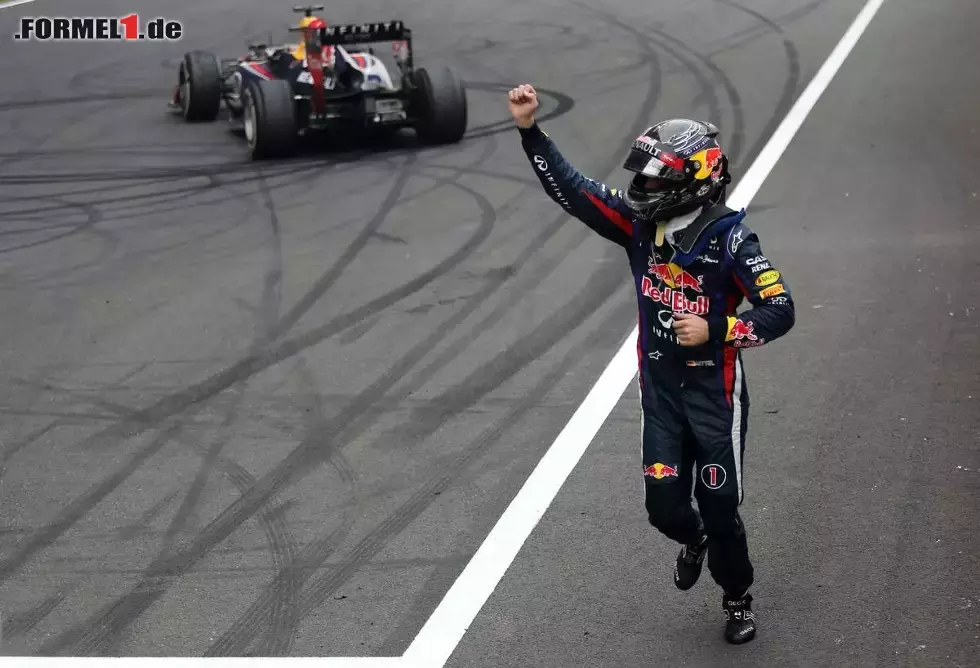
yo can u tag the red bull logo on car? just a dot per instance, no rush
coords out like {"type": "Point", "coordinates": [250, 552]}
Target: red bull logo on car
{"type": "Point", "coordinates": [660, 471]}
{"type": "Point", "coordinates": [674, 299]}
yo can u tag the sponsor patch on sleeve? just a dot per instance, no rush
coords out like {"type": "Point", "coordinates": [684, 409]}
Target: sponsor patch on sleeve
{"type": "Point", "coordinates": [767, 277]}
{"type": "Point", "coordinates": [772, 292]}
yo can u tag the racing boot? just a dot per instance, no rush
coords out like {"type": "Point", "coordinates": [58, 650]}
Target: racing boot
{"type": "Point", "coordinates": [740, 622]}
{"type": "Point", "coordinates": [689, 563]}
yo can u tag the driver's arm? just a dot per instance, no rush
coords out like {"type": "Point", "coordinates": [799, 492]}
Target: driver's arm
{"type": "Point", "coordinates": [591, 202]}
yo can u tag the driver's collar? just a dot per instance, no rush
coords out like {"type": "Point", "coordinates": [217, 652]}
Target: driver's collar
{"type": "Point", "coordinates": [669, 228]}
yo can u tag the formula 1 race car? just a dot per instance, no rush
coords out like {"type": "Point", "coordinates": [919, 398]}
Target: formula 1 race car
{"type": "Point", "coordinates": [280, 93]}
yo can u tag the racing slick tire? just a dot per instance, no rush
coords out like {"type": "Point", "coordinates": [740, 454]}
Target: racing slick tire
{"type": "Point", "coordinates": [269, 119]}
{"type": "Point", "coordinates": [440, 106]}
{"type": "Point", "coordinates": [199, 86]}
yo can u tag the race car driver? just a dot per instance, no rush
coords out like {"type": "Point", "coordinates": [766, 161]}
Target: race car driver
{"type": "Point", "coordinates": [693, 261]}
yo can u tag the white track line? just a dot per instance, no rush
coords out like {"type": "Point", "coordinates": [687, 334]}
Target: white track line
{"type": "Point", "coordinates": [441, 634]}
{"type": "Point", "coordinates": [5, 4]}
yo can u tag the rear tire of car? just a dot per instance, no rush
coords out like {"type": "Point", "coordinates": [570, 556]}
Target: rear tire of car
{"type": "Point", "coordinates": [440, 106]}
{"type": "Point", "coordinates": [200, 86]}
{"type": "Point", "coordinates": [269, 119]}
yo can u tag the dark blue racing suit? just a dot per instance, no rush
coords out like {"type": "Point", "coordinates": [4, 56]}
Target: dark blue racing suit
{"type": "Point", "coordinates": [695, 401]}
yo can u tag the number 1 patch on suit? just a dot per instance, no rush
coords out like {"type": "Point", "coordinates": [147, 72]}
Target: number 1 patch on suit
{"type": "Point", "coordinates": [713, 476]}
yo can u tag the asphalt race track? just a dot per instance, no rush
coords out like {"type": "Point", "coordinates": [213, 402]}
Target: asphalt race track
{"type": "Point", "coordinates": [273, 409]}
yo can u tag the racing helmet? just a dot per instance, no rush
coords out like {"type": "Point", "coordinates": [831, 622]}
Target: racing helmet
{"type": "Point", "coordinates": [679, 167]}
{"type": "Point", "coordinates": [312, 22]}
{"type": "Point", "coordinates": [307, 25]}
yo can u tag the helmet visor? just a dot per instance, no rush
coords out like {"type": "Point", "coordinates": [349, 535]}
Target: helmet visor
{"type": "Point", "coordinates": [654, 163]}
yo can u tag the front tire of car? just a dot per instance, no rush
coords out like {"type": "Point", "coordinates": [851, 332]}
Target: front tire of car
{"type": "Point", "coordinates": [269, 119]}
{"type": "Point", "coordinates": [440, 106]}
{"type": "Point", "coordinates": [199, 86]}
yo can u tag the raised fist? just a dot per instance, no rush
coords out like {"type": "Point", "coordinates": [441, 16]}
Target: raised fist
{"type": "Point", "coordinates": [523, 104]}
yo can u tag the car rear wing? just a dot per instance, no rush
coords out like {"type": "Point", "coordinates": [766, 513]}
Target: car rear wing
{"type": "Point", "coordinates": [389, 31]}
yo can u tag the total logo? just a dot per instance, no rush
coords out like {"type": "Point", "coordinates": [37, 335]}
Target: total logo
{"type": "Point", "coordinates": [660, 471]}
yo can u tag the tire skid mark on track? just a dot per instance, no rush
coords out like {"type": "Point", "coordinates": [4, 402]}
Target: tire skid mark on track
{"type": "Point", "coordinates": [489, 44]}
{"type": "Point", "coordinates": [680, 52]}
{"type": "Point", "coordinates": [195, 149]}
{"type": "Point", "coordinates": [284, 622]}
{"type": "Point", "coordinates": [19, 623]}
{"type": "Point", "coordinates": [93, 217]}
{"type": "Point", "coordinates": [445, 571]}
{"type": "Point", "coordinates": [15, 105]}
{"type": "Point", "coordinates": [470, 55]}
{"type": "Point", "coordinates": [37, 386]}
{"type": "Point", "coordinates": [288, 320]}
{"type": "Point", "coordinates": [270, 519]}
{"type": "Point", "coordinates": [179, 522]}
{"type": "Point", "coordinates": [92, 214]}
{"type": "Point", "coordinates": [450, 403]}
{"type": "Point", "coordinates": [279, 600]}
{"type": "Point", "coordinates": [564, 104]}
{"type": "Point", "coordinates": [270, 308]}
{"type": "Point", "coordinates": [11, 448]}
{"type": "Point", "coordinates": [346, 427]}
{"type": "Point", "coordinates": [139, 527]}
{"type": "Point", "coordinates": [177, 196]}
{"type": "Point", "coordinates": [270, 516]}
{"type": "Point", "coordinates": [527, 180]}
{"type": "Point", "coordinates": [788, 94]}
{"type": "Point", "coordinates": [309, 454]}
{"type": "Point", "coordinates": [80, 506]}
{"type": "Point", "coordinates": [276, 531]}
{"type": "Point", "coordinates": [689, 57]}
{"type": "Point", "coordinates": [749, 35]}
{"type": "Point", "coordinates": [157, 174]}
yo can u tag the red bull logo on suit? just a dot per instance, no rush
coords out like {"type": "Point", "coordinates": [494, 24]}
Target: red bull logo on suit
{"type": "Point", "coordinates": [674, 299]}
{"type": "Point", "coordinates": [660, 471]}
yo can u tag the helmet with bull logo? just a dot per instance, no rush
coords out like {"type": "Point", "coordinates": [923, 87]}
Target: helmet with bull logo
{"type": "Point", "coordinates": [679, 166]}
